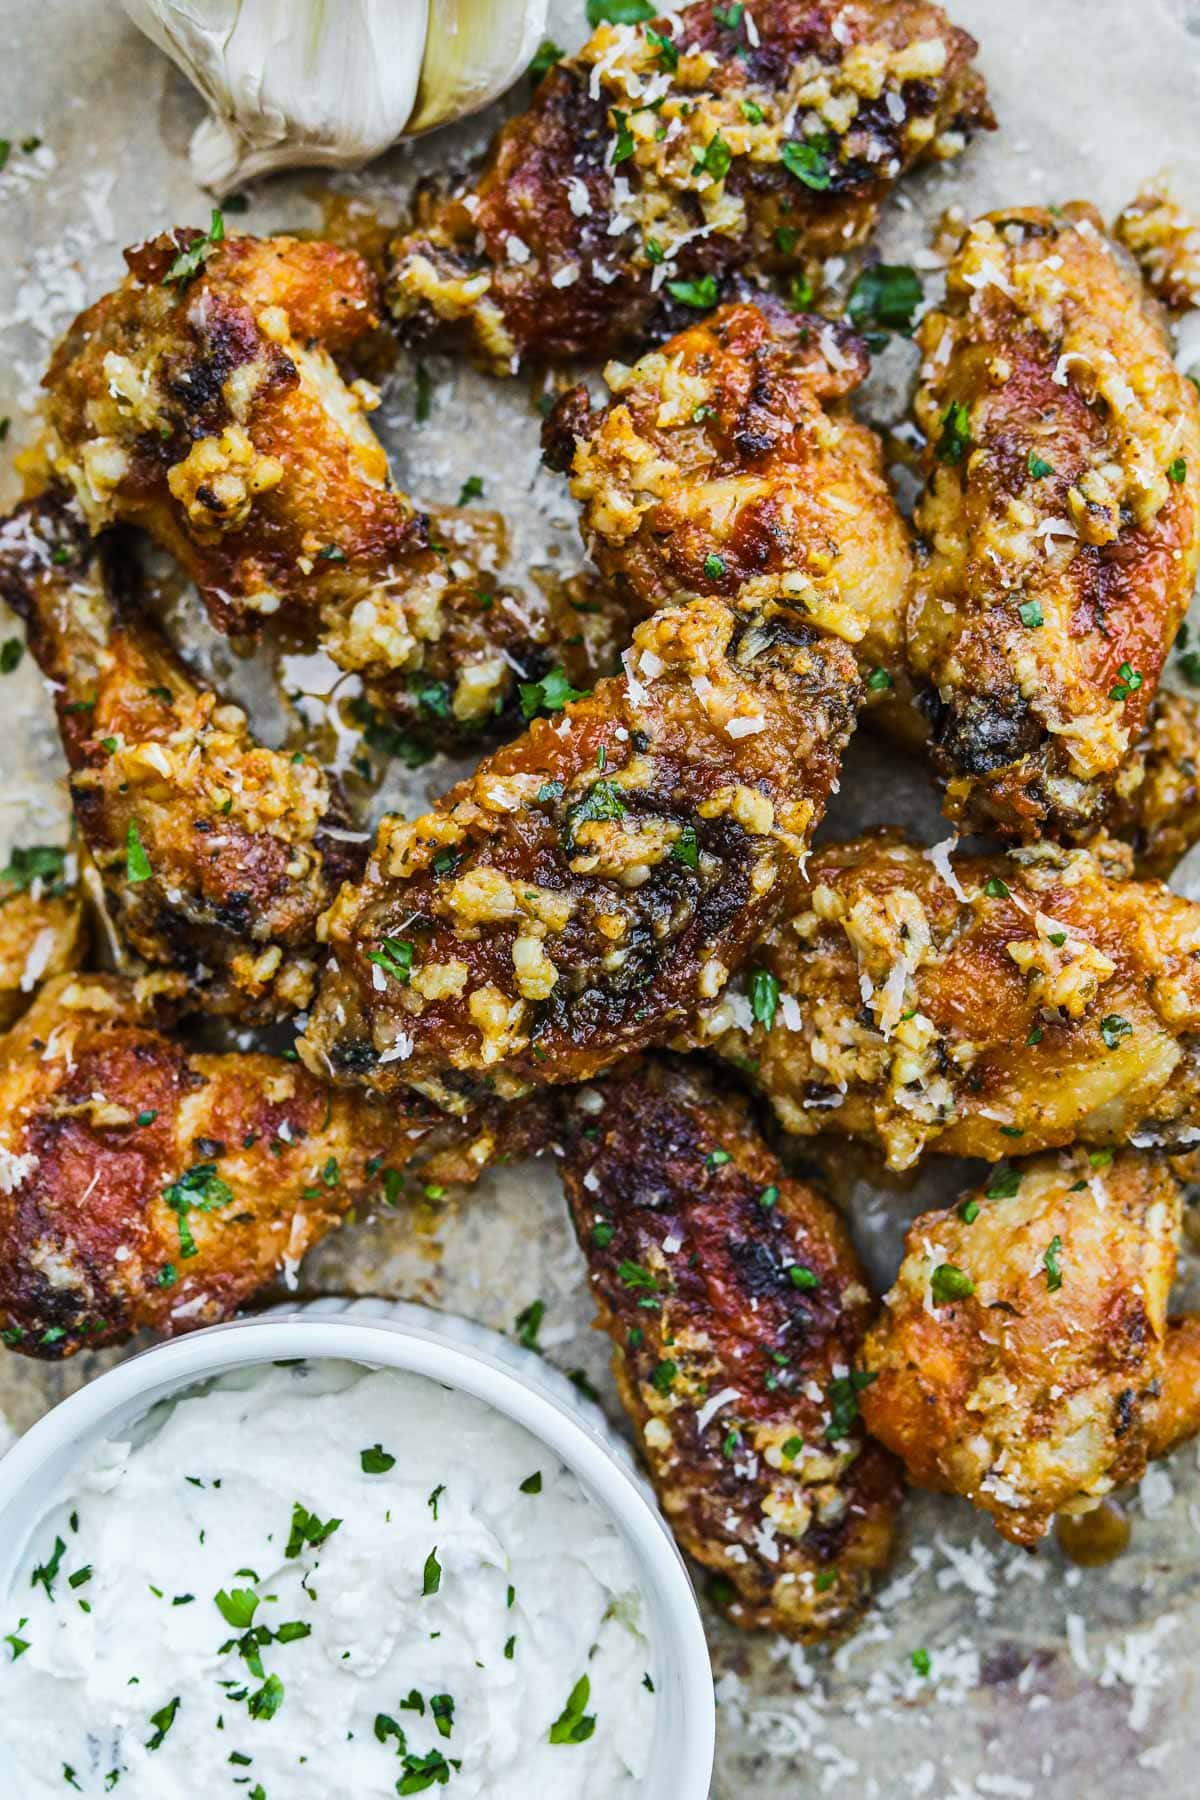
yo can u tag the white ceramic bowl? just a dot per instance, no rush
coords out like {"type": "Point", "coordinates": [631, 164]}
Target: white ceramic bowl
{"type": "Point", "coordinates": [384, 1334]}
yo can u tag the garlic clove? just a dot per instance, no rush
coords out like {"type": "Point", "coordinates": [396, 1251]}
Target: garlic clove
{"type": "Point", "coordinates": [291, 83]}
{"type": "Point", "coordinates": [474, 51]}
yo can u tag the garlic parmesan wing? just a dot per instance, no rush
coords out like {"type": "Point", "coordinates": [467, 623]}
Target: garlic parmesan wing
{"type": "Point", "coordinates": [1021, 1355]}
{"type": "Point", "coordinates": [664, 158]}
{"type": "Point", "coordinates": [146, 1187]}
{"type": "Point", "coordinates": [736, 1309]}
{"type": "Point", "coordinates": [727, 462]}
{"type": "Point", "coordinates": [42, 929]}
{"type": "Point", "coordinates": [216, 854]}
{"type": "Point", "coordinates": [1164, 239]}
{"type": "Point", "coordinates": [1157, 804]}
{"type": "Point", "coordinates": [976, 1005]}
{"type": "Point", "coordinates": [594, 882]}
{"type": "Point", "coordinates": [1059, 519]}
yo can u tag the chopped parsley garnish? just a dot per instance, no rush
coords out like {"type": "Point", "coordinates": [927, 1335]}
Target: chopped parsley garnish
{"type": "Point", "coordinates": [619, 12]}
{"type": "Point", "coordinates": [922, 1662]}
{"type": "Point", "coordinates": [432, 1502]}
{"type": "Point", "coordinates": [267, 1700]}
{"type": "Point", "coordinates": [424, 1772]}
{"type": "Point", "coordinates": [768, 1197]}
{"type": "Point", "coordinates": [624, 146]}
{"type": "Point", "coordinates": [668, 54]}
{"type": "Point", "coordinates": [544, 59]}
{"type": "Point", "coordinates": [423, 399]}
{"type": "Point", "coordinates": [878, 680]}
{"type": "Point", "coordinates": [995, 889]}
{"type": "Point", "coordinates": [532, 1484]}
{"type": "Point", "coordinates": [11, 652]}
{"type": "Point", "coordinates": [1038, 467]}
{"type": "Point", "coordinates": [1113, 1028]}
{"type": "Point", "coordinates": [716, 1159]}
{"type": "Point", "coordinates": [137, 863]}
{"type": "Point", "coordinates": [663, 1374]}
{"type": "Point", "coordinates": [1128, 682]}
{"type": "Point", "coordinates": [509, 1646]}
{"type": "Point", "coordinates": [237, 1607]}
{"type": "Point", "coordinates": [37, 862]}
{"type": "Point", "coordinates": [686, 848]}
{"type": "Point", "coordinates": [842, 1395]}
{"type": "Point", "coordinates": [18, 1645]}
{"type": "Point", "coordinates": [529, 1323]}
{"type": "Point", "coordinates": [1003, 1184]}
{"type": "Point", "coordinates": [199, 1189]}
{"type": "Point", "coordinates": [955, 439]}
{"type": "Point", "coordinates": [752, 112]}
{"type": "Point", "coordinates": [548, 695]}
{"type": "Point", "coordinates": [81, 1577]}
{"type": "Point", "coordinates": [1030, 613]}
{"type": "Point", "coordinates": [885, 296]}
{"type": "Point", "coordinates": [46, 1574]}
{"type": "Point", "coordinates": [162, 1722]}
{"type": "Point", "coordinates": [801, 1276]}
{"type": "Point", "coordinates": [602, 801]}
{"type": "Point", "coordinates": [764, 997]}
{"type": "Point", "coordinates": [376, 1460]}
{"type": "Point", "coordinates": [1177, 470]}
{"type": "Point", "coordinates": [603, 1232]}
{"type": "Point", "coordinates": [395, 957]}
{"type": "Point", "coordinates": [714, 566]}
{"type": "Point", "coordinates": [189, 262]}
{"type": "Point", "coordinates": [1052, 1265]}
{"type": "Point", "coordinates": [573, 1725]}
{"type": "Point", "coordinates": [968, 1211]}
{"type": "Point", "coordinates": [308, 1529]}
{"type": "Point", "coordinates": [701, 293]}
{"type": "Point", "coordinates": [809, 161]}
{"type": "Point", "coordinates": [431, 1578]}
{"type": "Point", "coordinates": [948, 1282]}
{"type": "Point", "coordinates": [729, 18]}
{"type": "Point", "coordinates": [716, 159]}
{"type": "Point", "coordinates": [633, 1275]}
{"type": "Point", "coordinates": [442, 1708]}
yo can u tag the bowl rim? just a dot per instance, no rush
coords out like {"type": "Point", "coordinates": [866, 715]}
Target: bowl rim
{"type": "Point", "coordinates": [399, 1342]}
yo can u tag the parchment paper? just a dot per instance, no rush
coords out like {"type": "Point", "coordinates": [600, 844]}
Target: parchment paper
{"type": "Point", "coordinates": [1046, 1680]}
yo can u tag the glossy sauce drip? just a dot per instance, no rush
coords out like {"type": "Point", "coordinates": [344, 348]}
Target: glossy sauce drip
{"type": "Point", "coordinates": [1095, 1538]}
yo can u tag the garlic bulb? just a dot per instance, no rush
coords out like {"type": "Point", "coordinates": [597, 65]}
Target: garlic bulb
{"type": "Point", "coordinates": [293, 83]}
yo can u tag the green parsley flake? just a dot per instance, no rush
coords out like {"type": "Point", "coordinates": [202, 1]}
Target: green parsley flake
{"type": "Point", "coordinates": [878, 680]}
{"type": "Point", "coordinates": [1038, 468]}
{"type": "Point", "coordinates": [431, 1578]}
{"type": "Point", "coordinates": [395, 958]}
{"type": "Point", "coordinates": [162, 1722]}
{"type": "Point", "coordinates": [1128, 681]}
{"type": "Point", "coordinates": [714, 567]}
{"type": "Point", "coordinates": [237, 1607]}
{"type": "Point", "coordinates": [532, 1484]}
{"type": "Point", "coordinates": [573, 1725]}
{"type": "Point", "coordinates": [137, 863]}
{"type": "Point", "coordinates": [955, 439]}
{"type": "Point", "coordinates": [801, 1276]}
{"type": "Point", "coordinates": [1113, 1028]}
{"type": "Point", "coordinates": [995, 889]}
{"type": "Point", "coordinates": [686, 848]}
{"type": "Point", "coordinates": [809, 161]}
{"type": "Point", "coordinates": [1052, 1265]}
{"type": "Point", "coordinates": [1030, 614]}
{"type": "Point", "coordinates": [376, 1460]}
{"type": "Point", "coordinates": [199, 1189]}
{"type": "Point", "coordinates": [922, 1661]}
{"type": "Point", "coordinates": [11, 652]}
{"type": "Point", "coordinates": [189, 262]}
{"type": "Point", "coordinates": [885, 296]}
{"type": "Point", "coordinates": [1177, 471]}
{"type": "Point", "coordinates": [544, 59]}
{"type": "Point", "coordinates": [548, 695]}
{"type": "Point", "coordinates": [1003, 1184]}
{"type": "Point", "coordinates": [764, 997]}
{"type": "Point", "coordinates": [948, 1282]}
{"type": "Point", "coordinates": [668, 53]}
{"type": "Point", "coordinates": [307, 1528]}
{"type": "Point", "coordinates": [702, 293]}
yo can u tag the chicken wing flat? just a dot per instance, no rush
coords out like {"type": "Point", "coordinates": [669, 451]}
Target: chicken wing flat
{"type": "Point", "coordinates": [736, 1308]}
{"type": "Point", "coordinates": [1060, 517]}
{"type": "Point", "coordinates": [592, 883]}
{"type": "Point", "coordinates": [203, 401]}
{"type": "Point", "coordinates": [665, 157]}
{"type": "Point", "coordinates": [1021, 1354]}
{"type": "Point", "coordinates": [217, 855]}
{"type": "Point", "coordinates": [1165, 241]}
{"type": "Point", "coordinates": [42, 931]}
{"type": "Point", "coordinates": [728, 463]}
{"type": "Point", "coordinates": [976, 1005]}
{"type": "Point", "coordinates": [142, 1186]}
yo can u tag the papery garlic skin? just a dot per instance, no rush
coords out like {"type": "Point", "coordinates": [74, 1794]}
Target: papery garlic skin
{"type": "Point", "coordinates": [292, 83]}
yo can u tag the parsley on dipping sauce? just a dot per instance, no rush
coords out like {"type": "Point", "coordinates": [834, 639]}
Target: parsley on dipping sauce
{"type": "Point", "coordinates": [573, 1725]}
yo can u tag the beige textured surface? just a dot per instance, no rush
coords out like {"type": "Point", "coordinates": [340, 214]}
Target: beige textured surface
{"type": "Point", "coordinates": [1046, 1680]}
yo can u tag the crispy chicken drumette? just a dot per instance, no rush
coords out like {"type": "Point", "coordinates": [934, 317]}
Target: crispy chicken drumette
{"type": "Point", "coordinates": [203, 400]}
{"type": "Point", "coordinates": [1023, 1358]}
{"type": "Point", "coordinates": [737, 1308]}
{"type": "Point", "coordinates": [142, 1186]}
{"type": "Point", "coordinates": [973, 1004]}
{"type": "Point", "coordinates": [1156, 807]}
{"type": "Point", "coordinates": [217, 855]}
{"type": "Point", "coordinates": [1060, 520]}
{"type": "Point", "coordinates": [728, 463]}
{"type": "Point", "coordinates": [42, 930]}
{"type": "Point", "coordinates": [1164, 239]}
{"type": "Point", "coordinates": [594, 882]}
{"type": "Point", "coordinates": [665, 157]}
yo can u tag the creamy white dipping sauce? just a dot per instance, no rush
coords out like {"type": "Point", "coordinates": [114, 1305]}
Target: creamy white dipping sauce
{"type": "Point", "coordinates": [191, 1621]}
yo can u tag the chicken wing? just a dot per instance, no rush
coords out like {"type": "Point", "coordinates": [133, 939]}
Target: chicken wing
{"type": "Point", "coordinates": [728, 463]}
{"type": "Point", "coordinates": [217, 855]}
{"type": "Point", "coordinates": [1021, 1356]}
{"type": "Point", "coordinates": [736, 1308]}
{"type": "Point", "coordinates": [1156, 806]}
{"type": "Point", "coordinates": [1060, 519]}
{"type": "Point", "coordinates": [142, 1186]}
{"type": "Point", "coordinates": [975, 1004]}
{"type": "Point", "coordinates": [580, 894]}
{"type": "Point", "coordinates": [663, 158]}
{"type": "Point", "coordinates": [42, 930]}
{"type": "Point", "coordinates": [202, 401]}
{"type": "Point", "coordinates": [1164, 239]}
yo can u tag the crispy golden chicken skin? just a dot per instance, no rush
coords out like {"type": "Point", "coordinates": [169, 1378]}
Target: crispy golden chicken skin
{"type": "Point", "coordinates": [593, 882]}
{"type": "Point", "coordinates": [142, 1186]}
{"type": "Point", "coordinates": [1059, 519]}
{"type": "Point", "coordinates": [1176, 1416]}
{"type": "Point", "coordinates": [977, 1005]}
{"type": "Point", "coordinates": [1156, 807]}
{"type": "Point", "coordinates": [736, 1308]}
{"type": "Point", "coordinates": [727, 463]}
{"type": "Point", "coordinates": [1164, 239]}
{"type": "Point", "coordinates": [1020, 1357]}
{"type": "Point", "coordinates": [217, 855]}
{"type": "Point", "coordinates": [42, 930]}
{"type": "Point", "coordinates": [665, 157]}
